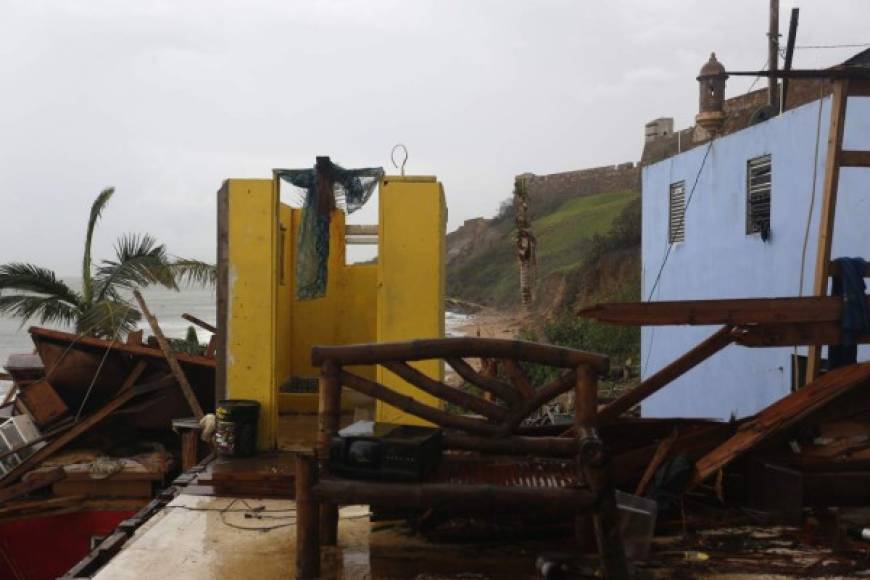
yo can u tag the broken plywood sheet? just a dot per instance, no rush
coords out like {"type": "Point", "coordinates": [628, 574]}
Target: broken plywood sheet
{"type": "Point", "coordinates": [781, 415]}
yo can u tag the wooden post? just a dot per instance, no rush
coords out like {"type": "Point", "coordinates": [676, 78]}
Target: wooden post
{"type": "Point", "coordinates": [307, 519]}
{"type": "Point", "coordinates": [189, 448]}
{"type": "Point", "coordinates": [593, 467]}
{"type": "Point", "coordinates": [329, 418]}
{"type": "Point", "coordinates": [829, 208]}
{"type": "Point", "coordinates": [704, 350]}
{"type": "Point", "coordinates": [186, 389]}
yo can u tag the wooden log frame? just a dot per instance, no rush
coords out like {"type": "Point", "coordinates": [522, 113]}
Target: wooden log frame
{"type": "Point", "coordinates": [451, 395]}
{"type": "Point", "coordinates": [460, 347]}
{"type": "Point", "coordinates": [466, 498]}
{"type": "Point", "coordinates": [200, 323]}
{"type": "Point", "coordinates": [561, 384]}
{"type": "Point", "coordinates": [414, 407]}
{"type": "Point", "coordinates": [318, 494]}
{"type": "Point", "coordinates": [518, 377]}
{"type": "Point", "coordinates": [489, 384]}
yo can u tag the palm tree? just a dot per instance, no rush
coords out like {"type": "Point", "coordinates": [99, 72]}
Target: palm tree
{"type": "Point", "coordinates": [101, 308]}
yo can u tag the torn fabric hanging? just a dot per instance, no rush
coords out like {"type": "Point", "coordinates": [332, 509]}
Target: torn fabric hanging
{"type": "Point", "coordinates": [327, 186]}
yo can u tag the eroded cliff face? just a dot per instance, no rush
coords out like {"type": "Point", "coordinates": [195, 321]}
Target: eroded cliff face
{"type": "Point", "coordinates": [577, 259]}
{"type": "Point", "coordinates": [473, 236]}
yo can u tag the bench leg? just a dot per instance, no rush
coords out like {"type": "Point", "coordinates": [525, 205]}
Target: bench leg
{"type": "Point", "coordinates": [593, 466]}
{"type": "Point", "coordinates": [307, 520]}
{"type": "Point", "coordinates": [610, 546]}
{"type": "Point", "coordinates": [328, 524]}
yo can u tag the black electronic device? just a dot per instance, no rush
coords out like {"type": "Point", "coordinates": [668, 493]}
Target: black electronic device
{"type": "Point", "coordinates": [385, 451]}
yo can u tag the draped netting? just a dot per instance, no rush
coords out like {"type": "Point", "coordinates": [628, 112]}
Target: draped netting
{"type": "Point", "coordinates": [324, 187]}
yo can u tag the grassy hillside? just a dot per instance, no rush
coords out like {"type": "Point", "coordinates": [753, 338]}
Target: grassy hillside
{"type": "Point", "coordinates": [490, 276]}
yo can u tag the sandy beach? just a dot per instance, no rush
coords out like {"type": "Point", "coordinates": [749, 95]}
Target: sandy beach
{"type": "Point", "coordinates": [489, 323]}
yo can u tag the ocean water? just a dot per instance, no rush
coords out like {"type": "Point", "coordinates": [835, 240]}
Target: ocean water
{"type": "Point", "coordinates": [168, 306]}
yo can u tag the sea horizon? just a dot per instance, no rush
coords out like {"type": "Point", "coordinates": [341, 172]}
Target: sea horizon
{"type": "Point", "coordinates": [167, 305]}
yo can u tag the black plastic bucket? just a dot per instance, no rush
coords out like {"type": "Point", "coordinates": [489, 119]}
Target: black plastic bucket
{"type": "Point", "coordinates": [236, 432]}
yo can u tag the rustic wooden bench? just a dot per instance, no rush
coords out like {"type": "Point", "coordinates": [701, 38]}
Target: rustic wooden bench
{"type": "Point", "coordinates": [489, 427]}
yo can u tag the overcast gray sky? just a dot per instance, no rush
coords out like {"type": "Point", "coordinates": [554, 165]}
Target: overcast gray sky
{"type": "Point", "coordinates": [164, 99]}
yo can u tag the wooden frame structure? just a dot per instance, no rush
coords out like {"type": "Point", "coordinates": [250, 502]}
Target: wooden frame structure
{"type": "Point", "coordinates": [754, 322]}
{"type": "Point", "coordinates": [836, 158]}
{"type": "Point", "coordinates": [318, 493]}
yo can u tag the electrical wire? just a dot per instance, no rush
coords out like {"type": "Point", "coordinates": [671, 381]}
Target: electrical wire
{"type": "Point", "coordinates": [809, 215]}
{"type": "Point", "coordinates": [685, 211]}
{"type": "Point", "coordinates": [93, 381]}
{"type": "Point", "coordinates": [813, 192]}
{"type": "Point", "coordinates": [752, 86]}
{"type": "Point", "coordinates": [668, 251]}
{"type": "Point", "coordinates": [825, 46]}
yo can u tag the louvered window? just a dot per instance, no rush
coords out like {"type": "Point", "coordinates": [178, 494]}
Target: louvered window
{"type": "Point", "coordinates": [758, 195]}
{"type": "Point", "coordinates": [677, 212]}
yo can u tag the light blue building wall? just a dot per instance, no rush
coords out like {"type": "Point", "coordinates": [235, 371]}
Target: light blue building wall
{"type": "Point", "coordinates": [719, 260]}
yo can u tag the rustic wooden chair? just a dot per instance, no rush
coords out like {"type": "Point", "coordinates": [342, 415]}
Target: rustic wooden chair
{"type": "Point", "coordinates": [496, 430]}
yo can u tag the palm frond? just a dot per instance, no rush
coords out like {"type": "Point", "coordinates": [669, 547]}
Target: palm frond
{"type": "Point", "coordinates": [96, 211]}
{"type": "Point", "coordinates": [139, 261]}
{"type": "Point", "coordinates": [28, 278]}
{"type": "Point", "coordinates": [194, 272]}
{"type": "Point", "coordinates": [45, 308]}
{"type": "Point", "coordinates": [108, 319]}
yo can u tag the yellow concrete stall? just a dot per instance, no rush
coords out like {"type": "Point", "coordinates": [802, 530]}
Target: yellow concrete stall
{"type": "Point", "coordinates": [411, 277]}
{"type": "Point", "coordinates": [265, 334]}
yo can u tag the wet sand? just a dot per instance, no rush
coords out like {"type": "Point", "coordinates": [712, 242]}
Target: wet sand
{"type": "Point", "coordinates": [492, 324]}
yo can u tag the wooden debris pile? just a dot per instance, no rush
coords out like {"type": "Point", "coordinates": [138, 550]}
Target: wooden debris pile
{"type": "Point", "coordinates": [810, 448]}
{"type": "Point", "coordinates": [87, 422]}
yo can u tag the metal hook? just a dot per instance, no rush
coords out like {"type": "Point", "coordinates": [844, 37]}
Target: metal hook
{"type": "Point", "coordinates": [404, 160]}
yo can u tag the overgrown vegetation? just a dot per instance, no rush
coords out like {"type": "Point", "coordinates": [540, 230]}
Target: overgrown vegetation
{"type": "Point", "coordinates": [592, 282]}
{"type": "Point", "coordinates": [565, 237]}
{"type": "Point", "coordinates": [588, 248]}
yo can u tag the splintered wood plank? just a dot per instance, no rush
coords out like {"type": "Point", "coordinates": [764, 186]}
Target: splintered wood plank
{"type": "Point", "coordinates": [829, 207]}
{"type": "Point", "coordinates": [793, 335]}
{"type": "Point", "coordinates": [661, 454]}
{"type": "Point", "coordinates": [65, 338]}
{"type": "Point", "coordinates": [704, 350]}
{"type": "Point", "coordinates": [518, 377]}
{"type": "Point", "coordinates": [707, 312]}
{"type": "Point", "coordinates": [186, 389]}
{"type": "Point", "coordinates": [782, 415]}
{"type": "Point", "coordinates": [854, 158]}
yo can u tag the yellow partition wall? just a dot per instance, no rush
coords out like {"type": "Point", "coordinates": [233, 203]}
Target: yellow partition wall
{"type": "Point", "coordinates": [248, 254]}
{"type": "Point", "coordinates": [411, 258]}
{"type": "Point", "coordinates": [266, 335]}
{"type": "Point", "coordinates": [344, 315]}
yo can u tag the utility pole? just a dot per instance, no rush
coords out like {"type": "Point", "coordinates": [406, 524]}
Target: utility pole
{"type": "Point", "coordinates": [773, 53]}
{"type": "Point", "coordinates": [789, 55]}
